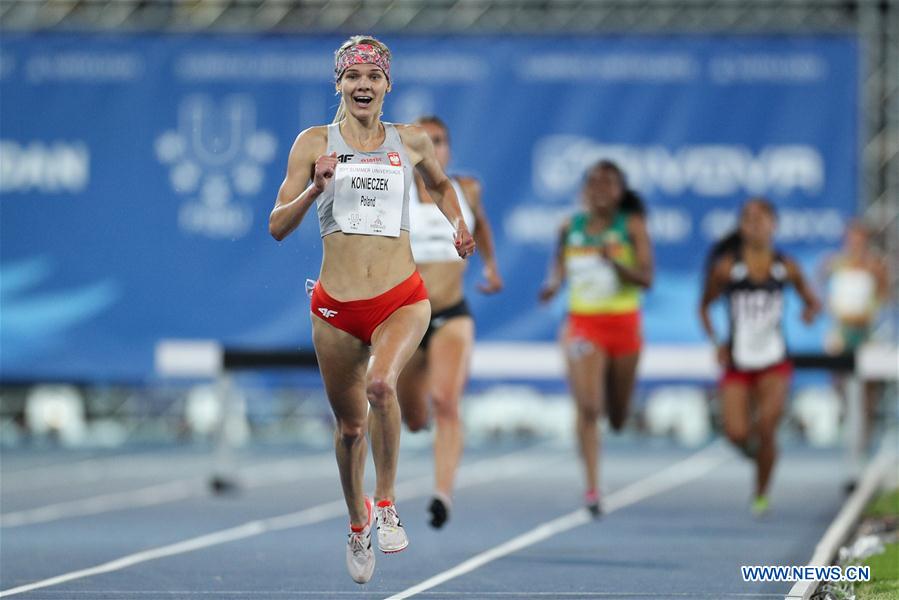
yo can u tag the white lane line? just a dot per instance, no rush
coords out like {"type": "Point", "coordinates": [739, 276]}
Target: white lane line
{"type": "Point", "coordinates": [60, 467]}
{"type": "Point", "coordinates": [170, 491]}
{"type": "Point", "coordinates": [431, 594]}
{"type": "Point", "coordinates": [91, 470]}
{"type": "Point", "coordinates": [146, 496]}
{"type": "Point", "coordinates": [487, 470]}
{"type": "Point", "coordinates": [693, 467]}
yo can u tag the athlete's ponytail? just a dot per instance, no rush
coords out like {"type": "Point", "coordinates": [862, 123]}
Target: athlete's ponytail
{"type": "Point", "coordinates": [728, 245]}
{"type": "Point", "coordinates": [632, 203]}
{"type": "Point", "coordinates": [341, 111]}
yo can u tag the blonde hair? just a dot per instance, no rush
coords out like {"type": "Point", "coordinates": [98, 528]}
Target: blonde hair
{"type": "Point", "coordinates": [356, 39]}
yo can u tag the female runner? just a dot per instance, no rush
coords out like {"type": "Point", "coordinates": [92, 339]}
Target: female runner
{"type": "Point", "coordinates": [606, 254]}
{"type": "Point", "coordinates": [858, 284]}
{"type": "Point", "coordinates": [369, 307]}
{"type": "Point", "coordinates": [757, 372]}
{"type": "Point", "coordinates": [439, 369]}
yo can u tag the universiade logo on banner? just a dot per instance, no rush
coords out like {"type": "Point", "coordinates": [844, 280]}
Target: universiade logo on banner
{"type": "Point", "coordinates": [216, 159]}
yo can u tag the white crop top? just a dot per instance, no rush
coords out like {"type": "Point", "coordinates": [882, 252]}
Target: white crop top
{"type": "Point", "coordinates": [370, 191]}
{"type": "Point", "coordinates": [430, 233]}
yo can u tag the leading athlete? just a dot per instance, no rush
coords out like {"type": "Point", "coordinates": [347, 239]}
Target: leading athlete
{"type": "Point", "coordinates": [370, 308]}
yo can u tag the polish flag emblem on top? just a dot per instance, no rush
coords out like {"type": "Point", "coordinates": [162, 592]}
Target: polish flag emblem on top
{"type": "Point", "coordinates": [394, 158]}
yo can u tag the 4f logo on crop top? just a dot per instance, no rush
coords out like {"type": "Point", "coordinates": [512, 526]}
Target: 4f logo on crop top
{"type": "Point", "coordinates": [394, 158]}
{"type": "Point", "coordinates": [345, 158]}
{"type": "Point", "coordinates": [327, 312]}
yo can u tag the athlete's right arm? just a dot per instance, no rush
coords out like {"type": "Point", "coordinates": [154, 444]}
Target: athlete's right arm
{"type": "Point", "coordinates": [557, 274]}
{"type": "Point", "coordinates": [714, 287]}
{"type": "Point", "coordinates": [811, 304]}
{"type": "Point", "coordinates": [297, 194]}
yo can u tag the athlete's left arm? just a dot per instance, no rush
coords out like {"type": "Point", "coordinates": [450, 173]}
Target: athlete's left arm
{"type": "Point", "coordinates": [483, 236]}
{"type": "Point", "coordinates": [641, 273]}
{"type": "Point", "coordinates": [421, 151]}
{"type": "Point", "coordinates": [811, 304]}
{"type": "Point", "coordinates": [882, 277]}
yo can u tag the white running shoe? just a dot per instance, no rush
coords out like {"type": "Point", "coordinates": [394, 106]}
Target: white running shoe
{"type": "Point", "coordinates": [360, 558]}
{"type": "Point", "coordinates": [391, 535]}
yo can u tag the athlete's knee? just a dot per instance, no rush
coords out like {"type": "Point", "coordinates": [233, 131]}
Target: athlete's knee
{"type": "Point", "coordinates": [618, 413]}
{"type": "Point", "coordinates": [380, 391]}
{"type": "Point", "coordinates": [446, 406]}
{"type": "Point", "coordinates": [417, 421]}
{"type": "Point", "coordinates": [737, 434]}
{"type": "Point", "coordinates": [413, 410]}
{"type": "Point", "coordinates": [768, 433]}
{"type": "Point", "coordinates": [588, 414]}
{"type": "Point", "coordinates": [350, 433]}
{"type": "Point", "coordinates": [617, 420]}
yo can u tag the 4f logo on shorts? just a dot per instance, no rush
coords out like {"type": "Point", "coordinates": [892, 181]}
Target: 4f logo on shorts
{"type": "Point", "coordinates": [394, 158]}
{"type": "Point", "coordinates": [327, 312]}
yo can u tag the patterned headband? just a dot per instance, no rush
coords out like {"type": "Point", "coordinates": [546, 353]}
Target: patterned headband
{"type": "Point", "coordinates": [362, 54]}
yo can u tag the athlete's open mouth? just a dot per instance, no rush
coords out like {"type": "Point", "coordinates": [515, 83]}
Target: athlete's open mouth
{"type": "Point", "coordinates": [363, 100]}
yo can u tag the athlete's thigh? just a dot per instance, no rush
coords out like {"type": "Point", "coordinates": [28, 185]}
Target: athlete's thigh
{"type": "Point", "coordinates": [770, 394]}
{"type": "Point", "coordinates": [586, 366]}
{"type": "Point", "coordinates": [448, 357]}
{"type": "Point", "coordinates": [735, 408]}
{"type": "Point", "coordinates": [341, 360]}
{"type": "Point", "coordinates": [397, 338]}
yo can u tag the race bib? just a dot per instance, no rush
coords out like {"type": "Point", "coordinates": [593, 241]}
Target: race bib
{"type": "Point", "coordinates": [592, 278]}
{"type": "Point", "coordinates": [368, 199]}
{"type": "Point", "coordinates": [757, 338]}
{"type": "Point", "coordinates": [757, 345]}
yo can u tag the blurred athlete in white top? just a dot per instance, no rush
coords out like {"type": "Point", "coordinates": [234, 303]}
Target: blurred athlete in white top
{"type": "Point", "coordinates": [438, 371]}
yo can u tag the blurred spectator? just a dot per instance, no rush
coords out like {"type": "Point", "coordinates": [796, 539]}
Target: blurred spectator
{"type": "Point", "coordinates": [857, 286]}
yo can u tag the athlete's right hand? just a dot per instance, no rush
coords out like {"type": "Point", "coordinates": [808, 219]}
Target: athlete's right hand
{"type": "Point", "coordinates": [492, 281]}
{"type": "Point", "coordinates": [324, 171]}
{"type": "Point", "coordinates": [549, 290]}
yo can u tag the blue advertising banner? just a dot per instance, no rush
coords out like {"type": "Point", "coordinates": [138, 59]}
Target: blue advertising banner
{"type": "Point", "coordinates": [137, 174]}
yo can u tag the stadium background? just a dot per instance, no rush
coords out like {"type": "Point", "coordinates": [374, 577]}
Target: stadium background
{"type": "Point", "coordinates": [142, 144]}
